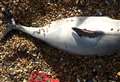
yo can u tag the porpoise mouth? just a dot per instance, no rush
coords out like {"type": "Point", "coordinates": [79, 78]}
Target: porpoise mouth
{"type": "Point", "coordinates": [87, 33]}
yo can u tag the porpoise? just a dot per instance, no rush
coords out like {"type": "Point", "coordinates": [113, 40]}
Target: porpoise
{"type": "Point", "coordinates": [92, 35]}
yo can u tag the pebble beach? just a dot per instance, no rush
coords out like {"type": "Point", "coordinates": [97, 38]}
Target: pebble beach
{"type": "Point", "coordinates": [20, 53]}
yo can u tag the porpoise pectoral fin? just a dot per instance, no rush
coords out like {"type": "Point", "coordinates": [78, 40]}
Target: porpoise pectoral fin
{"type": "Point", "coordinates": [87, 33]}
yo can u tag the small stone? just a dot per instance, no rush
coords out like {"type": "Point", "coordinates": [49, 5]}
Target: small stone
{"type": "Point", "coordinates": [79, 10]}
{"type": "Point", "coordinates": [1, 22]}
{"type": "Point", "coordinates": [99, 13]}
{"type": "Point", "coordinates": [89, 80]}
{"type": "Point", "coordinates": [109, 2]}
{"type": "Point", "coordinates": [94, 80]}
{"type": "Point", "coordinates": [78, 80]}
{"type": "Point", "coordinates": [35, 24]}
{"type": "Point", "coordinates": [112, 81]}
{"type": "Point", "coordinates": [19, 70]}
{"type": "Point", "coordinates": [2, 9]}
{"type": "Point", "coordinates": [34, 55]}
{"type": "Point", "coordinates": [118, 74]}
{"type": "Point", "coordinates": [1, 15]}
{"type": "Point", "coordinates": [24, 80]}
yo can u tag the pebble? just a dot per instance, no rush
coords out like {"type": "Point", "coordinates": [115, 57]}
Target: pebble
{"type": "Point", "coordinates": [1, 15]}
{"type": "Point", "coordinates": [25, 80]}
{"type": "Point", "coordinates": [99, 13]}
{"type": "Point", "coordinates": [1, 22]}
{"type": "Point", "coordinates": [112, 81]}
{"type": "Point", "coordinates": [78, 80]}
{"type": "Point", "coordinates": [2, 9]}
{"type": "Point", "coordinates": [94, 80]}
{"type": "Point", "coordinates": [35, 24]}
{"type": "Point", "coordinates": [118, 74]}
{"type": "Point", "coordinates": [89, 80]}
{"type": "Point", "coordinates": [109, 2]}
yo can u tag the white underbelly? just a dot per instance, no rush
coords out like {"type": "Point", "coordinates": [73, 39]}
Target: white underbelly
{"type": "Point", "coordinates": [102, 46]}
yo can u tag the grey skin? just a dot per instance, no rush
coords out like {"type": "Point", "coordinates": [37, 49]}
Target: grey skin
{"type": "Point", "coordinates": [78, 35]}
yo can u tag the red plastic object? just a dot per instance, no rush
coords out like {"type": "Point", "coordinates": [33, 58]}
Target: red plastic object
{"type": "Point", "coordinates": [40, 76]}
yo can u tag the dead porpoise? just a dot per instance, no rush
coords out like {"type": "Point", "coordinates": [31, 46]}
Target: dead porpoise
{"type": "Point", "coordinates": [91, 35]}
